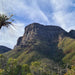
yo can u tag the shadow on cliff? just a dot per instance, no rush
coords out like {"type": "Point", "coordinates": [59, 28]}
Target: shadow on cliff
{"type": "Point", "coordinates": [50, 50]}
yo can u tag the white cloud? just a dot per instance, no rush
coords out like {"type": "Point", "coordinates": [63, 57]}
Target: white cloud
{"type": "Point", "coordinates": [64, 13]}
{"type": "Point", "coordinates": [23, 9]}
{"type": "Point", "coordinates": [9, 36]}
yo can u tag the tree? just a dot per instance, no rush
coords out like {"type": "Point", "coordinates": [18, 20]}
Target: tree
{"type": "Point", "coordinates": [12, 66]}
{"type": "Point", "coordinates": [35, 68]}
{"type": "Point", "coordinates": [3, 60]}
{"type": "Point", "coordinates": [4, 20]}
{"type": "Point", "coordinates": [71, 71]}
{"type": "Point", "coordinates": [1, 71]}
{"type": "Point", "coordinates": [29, 73]}
{"type": "Point", "coordinates": [25, 69]}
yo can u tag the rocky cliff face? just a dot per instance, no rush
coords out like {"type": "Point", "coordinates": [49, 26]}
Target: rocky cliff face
{"type": "Point", "coordinates": [4, 49]}
{"type": "Point", "coordinates": [37, 31]}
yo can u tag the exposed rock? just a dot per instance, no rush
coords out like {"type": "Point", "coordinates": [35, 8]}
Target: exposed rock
{"type": "Point", "coordinates": [41, 32]}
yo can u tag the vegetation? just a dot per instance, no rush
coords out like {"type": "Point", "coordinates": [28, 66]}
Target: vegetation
{"type": "Point", "coordinates": [4, 20]}
{"type": "Point", "coordinates": [41, 67]}
{"type": "Point", "coordinates": [68, 47]}
{"type": "Point", "coordinates": [42, 58]}
{"type": "Point", "coordinates": [12, 67]}
{"type": "Point", "coordinates": [70, 71]}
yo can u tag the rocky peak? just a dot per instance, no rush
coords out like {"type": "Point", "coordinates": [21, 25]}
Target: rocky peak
{"type": "Point", "coordinates": [37, 27]}
{"type": "Point", "coordinates": [33, 26]}
{"type": "Point", "coordinates": [41, 32]}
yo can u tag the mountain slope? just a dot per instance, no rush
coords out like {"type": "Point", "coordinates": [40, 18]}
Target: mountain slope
{"type": "Point", "coordinates": [39, 42]}
{"type": "Point", "coordinates": [4, 49]}
{"type": "Point", "coordinates": [68, 47]}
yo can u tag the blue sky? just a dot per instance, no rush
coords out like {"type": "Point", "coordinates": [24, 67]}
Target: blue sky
{"type": "Point", "coordinates": [47, 12]}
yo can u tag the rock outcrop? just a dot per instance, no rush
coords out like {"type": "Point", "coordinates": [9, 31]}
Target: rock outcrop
{"type": "Point", "coordinates": [41, 32]}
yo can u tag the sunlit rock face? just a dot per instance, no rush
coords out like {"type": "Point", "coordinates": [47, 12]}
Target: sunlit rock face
{"type": "Point", "coordinates": [41, 32]}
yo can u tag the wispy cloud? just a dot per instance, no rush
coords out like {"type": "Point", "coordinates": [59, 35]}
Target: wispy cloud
{"type": "Point", "coordinates": [22, 10]}
{"type": "Point", "coordinates": [64, 13]}
{"type": "Point", "coordinates": [26, 9]}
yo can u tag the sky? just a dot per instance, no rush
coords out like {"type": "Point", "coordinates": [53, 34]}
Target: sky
{"type": "Point", "coordinates": [48, 12]}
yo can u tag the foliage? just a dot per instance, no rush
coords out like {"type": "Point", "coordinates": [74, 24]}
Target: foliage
{"type": "Point", "coordinates": [29, 73]}
{"type": "Point", "coordinates": [3, 61]}
{"type": "Point", "coordinates": [1, 71]}
{"type": "Point", "coordinates": [35, 68]}
{"type": "Point", "coordinates": [39, 68]}
{"type": "Point", "coordinates": [71, 71]}
{"type": "Point", "coordinates": [4, 20]}
{"type": "Point", "coordinates": [25, 69]}
{"type": "Point", "coordinates": [68, 47]}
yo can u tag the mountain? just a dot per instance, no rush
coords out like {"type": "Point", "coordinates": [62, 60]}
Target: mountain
{"type": "Point", "coordinates": [4, 49]}
{"type": "Point", "coordinates": [46, 49]}
{"type": "Point", "coordinates": [41, 42]}
{"type": "Point", "coordinates": [45, 33]}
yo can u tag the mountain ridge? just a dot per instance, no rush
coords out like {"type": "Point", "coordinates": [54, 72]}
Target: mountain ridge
{"type": "Point", "coordinates": [37, 30]}
{"type": "Point", "coordinates": [4, 49]}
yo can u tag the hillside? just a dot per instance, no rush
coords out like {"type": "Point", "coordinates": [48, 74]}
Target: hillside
{"type": "Point", "coordinates": [4, 49]}
{"type": "Point", "coordinates": [68, 47]}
